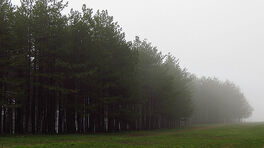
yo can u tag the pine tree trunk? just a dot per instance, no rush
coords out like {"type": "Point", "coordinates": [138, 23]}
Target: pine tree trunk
{"type": "Point", "coordinates": [36, 116]}
{"type": "Point", "coordinates": [94, 129]}
{"type": "Point", "coordinates": [2, 119]}
{"type": "Point", "coordinates": [150, 115]}
{"type": "Point", "coordinates": [84, 118]}
{"type": "Point", "coordinates": [114, 124]}
{"type": "Point", "coordinates": [41, 123]}
{"type": "Point", "coordinates": [88, 120]}
{"type": "Point", "coordinates": [76, 121]}
{"type": "Point", "coordinates": [63, 122]}
{"type": "Point", "coordinates": [57, 114]}
{"type": "Point", "coordinates": [36, 95]}
{"type": "Point", "coordinates": [159, 122]}
{"type": "Point", "coordinates": [2, 109]}
{"type": "Point", "coordinates": [106, 118]}
{"type": "Point", "coordinates": [88, 114]}
{"type": "Point", "coordinates": [145, 119]}
{"type": "Point", "coordinates": [140, 118]}
{"type": "Point", "coordinates": [136, 126]}
{"type": "Point", "coordinates": [84, 123]}
{"type": "Point", "coordinates": [29, 124]}
{"type": "Point", "coordinates": [24, 121]}
{"type": "Point", "coordinates": [13, 120]}
{"type": "Point", "coordinates": [119, 126]}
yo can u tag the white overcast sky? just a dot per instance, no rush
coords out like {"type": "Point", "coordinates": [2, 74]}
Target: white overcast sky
{"type": "Point", "coordinates": [221, 38]}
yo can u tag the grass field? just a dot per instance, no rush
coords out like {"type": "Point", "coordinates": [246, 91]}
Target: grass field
{"type": "Point", "coordinates": [215, 136]}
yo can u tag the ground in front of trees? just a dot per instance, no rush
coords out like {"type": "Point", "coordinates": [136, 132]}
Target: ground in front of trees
{"type": "Point", "coordinates": [206, 136]}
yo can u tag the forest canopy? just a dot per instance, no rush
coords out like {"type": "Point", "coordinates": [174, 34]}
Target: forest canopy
{"type": "Point", "coordinates": [76, 73]}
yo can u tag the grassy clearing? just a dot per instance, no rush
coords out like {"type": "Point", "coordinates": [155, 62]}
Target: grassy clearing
{"type": "Point", "coordinates": [220, 136]}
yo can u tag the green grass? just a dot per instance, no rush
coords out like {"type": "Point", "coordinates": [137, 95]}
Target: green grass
{"type": "Point", "coordinates": [216, 136]}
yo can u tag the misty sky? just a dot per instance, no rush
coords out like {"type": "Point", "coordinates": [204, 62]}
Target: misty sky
{"type": "Point", "coordinates": [221, 38]}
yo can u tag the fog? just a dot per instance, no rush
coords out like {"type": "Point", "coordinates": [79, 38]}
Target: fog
{"type": "Point", "coordinates": [210, 37]}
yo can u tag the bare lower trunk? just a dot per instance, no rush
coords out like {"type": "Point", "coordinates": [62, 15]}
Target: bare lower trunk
{"type": "Point", "coordinates": [119, 126]}
{"type": "Point", "coordinates": [2, 119]}
{"type": "Point", "coordinates": [140, 118]}
{"type": "Point", "coordinates": [57, 116]}
{"type": "Point", "coordinates": [145, 120]}
{"type": "Point", "coordinates": [2, 109]}
{"type": "Point", "coordinates": [106, 124]}
{"type": "Point", "coordinates": [63, 122]}
{"type": "Point", "coordinates": [13, 119]}
{"type": "Point", "coordinates": [94, 128]}
{"type": "Point", "coordinates": [136, 124]}
{"type": "Point", "coordinates": [36, 116]}
{"type": "Point", "coordinates": [88, 115]}
{"type": "Point", "coordinates": [29, 124]}
{"type": "Point", "coordinates": [114, 124]}
{"type": "Point", "coordinates": [84, 122]}
{"type": "Point", "coordinates": [88, 120]}
{"type": "Point", "coordinates": [159, 122]}
{"type": "Point", "coordinates": [76, 121]}
{"type": "Point", "coordinates": [150, 115]}
{"type": "Point", "coordinates": [24, 122]}
{"type": "Point", "coordinates": [106, 119]}
{"type": "Point", "coordinates": [41, 123]}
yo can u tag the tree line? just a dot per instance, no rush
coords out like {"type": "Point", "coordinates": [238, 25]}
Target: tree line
{"type": "Point", "coordinates": [218, 102]}
{"type": "Point", "coordinates": [76, 73]}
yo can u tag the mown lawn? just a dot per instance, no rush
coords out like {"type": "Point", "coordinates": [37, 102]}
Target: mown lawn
{"type": "Point", "coordinates": [215, 136]}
